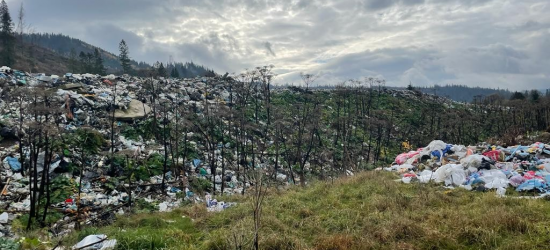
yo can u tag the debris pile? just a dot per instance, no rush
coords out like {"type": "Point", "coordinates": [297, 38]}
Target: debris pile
{"type": "Point", "coordinates": [483, 167]}
{"type": "Point", "coordinates": [86, 188]}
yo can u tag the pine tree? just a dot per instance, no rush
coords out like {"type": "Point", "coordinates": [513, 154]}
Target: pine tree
{"type": "Point", "coordinates": [124, 57]}
{"type": "Point", "coordinates": [410, 87]}
{"type": "Point", "coordinates": [534, 95]}
{"type": "Point", "coordinates": [82, 62]}
{"type": "Point", "coordinates": [162, 70]}
{"type": "Point", "coordinates": [6, 35]}
{"type": "Point", "coordinates": [98, 63]}
{"type": "Point", "coordinates": [73, 61]}
{"type": "Point", "coordinates": [517, 96]}
{"type": "Point", "coordinates": [89, 62]}
{"type": "Point", "coordinates": [175, 73]}
{"type": "Point", "coordinates": [185, 72]}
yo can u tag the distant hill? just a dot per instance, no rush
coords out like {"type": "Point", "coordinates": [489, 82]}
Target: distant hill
{"type": "Point", "coordinates": [457, 93]}
{"type": "Point", "coordinates": [462, 93]}
{"type": "Point", "coordinates": [62, 45]}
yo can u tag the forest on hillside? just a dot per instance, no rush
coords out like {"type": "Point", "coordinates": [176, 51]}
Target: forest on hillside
{"type": "Point", "coordinates": [83, 56]}
{"type": "Point", "coordinates": [463, 93]}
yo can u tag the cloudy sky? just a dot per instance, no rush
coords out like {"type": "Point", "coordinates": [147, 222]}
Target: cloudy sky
{"type": "Point", "coordinates": [493, 43]}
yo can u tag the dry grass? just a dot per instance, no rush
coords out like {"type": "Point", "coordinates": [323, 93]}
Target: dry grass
{"type": "Point", "coordinates": [368, 211]}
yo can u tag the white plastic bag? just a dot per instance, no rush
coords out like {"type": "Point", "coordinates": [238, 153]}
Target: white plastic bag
{"type": "Point", "coordinates": [88, 242]}
{"type": "Point", "coordinates": [434, 146]}
{"type": "Point", "coordinates": [451, 174]}
{"type": "Point", "coordinates": [4, 218]}
{"type": "Point", "coordinates": [494, 179]}
{"type": "Point", "coordinates": [425, 176]}
{"type": "Point", "coordinates": [501, 192]}
{"type": "Point", "coordinates": [460, 150]}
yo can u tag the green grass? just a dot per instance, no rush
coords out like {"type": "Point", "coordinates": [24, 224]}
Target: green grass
{"type": "Point", "coordinates": [368, 211]}
{"type": "Point", "coordinates": [147, 231]}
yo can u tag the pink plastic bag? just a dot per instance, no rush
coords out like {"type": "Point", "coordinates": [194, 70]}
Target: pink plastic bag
{"type": "Point", "coordinates": [402, 158]}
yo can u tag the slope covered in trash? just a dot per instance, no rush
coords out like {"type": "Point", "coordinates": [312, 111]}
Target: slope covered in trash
{"type": "Point", "coordinates": [367, 211]}
{"type": "Point", "coordinates": [79, 149]}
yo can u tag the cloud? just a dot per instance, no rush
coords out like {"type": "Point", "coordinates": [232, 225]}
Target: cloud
{"type": "Point", "coordinates": [472, 42]}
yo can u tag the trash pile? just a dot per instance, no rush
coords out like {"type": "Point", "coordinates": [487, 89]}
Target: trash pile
{"type": "Point", "coordinates": [480, 168]}
{"type": "Point", "coordinates": [93, 101]}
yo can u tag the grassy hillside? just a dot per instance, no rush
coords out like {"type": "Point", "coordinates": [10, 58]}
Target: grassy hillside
{"type": "Point", "coordinates": [368, 211]}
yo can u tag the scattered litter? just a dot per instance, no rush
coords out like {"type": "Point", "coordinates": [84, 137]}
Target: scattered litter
{"type": "Point", "coordinates": [95, 242]}
{"type": "Point", "coordinates": [13, 163]}
{"type": "Point", "coordinates": [212, 205]}
{"type": "Point", "coordinates": [4, 217]}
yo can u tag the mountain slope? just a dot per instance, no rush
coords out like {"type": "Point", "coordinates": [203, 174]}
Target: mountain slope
{"type": "Point", "coordinates": [36, 59]}
{"type": "Point", "coordinates": [63, 45]}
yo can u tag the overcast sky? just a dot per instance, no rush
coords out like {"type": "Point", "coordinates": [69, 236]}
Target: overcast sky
{"type": "Point", "coordinates": [490, 43]}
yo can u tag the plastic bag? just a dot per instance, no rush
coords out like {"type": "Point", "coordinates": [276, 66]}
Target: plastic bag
{"type": "Point", "coordinates": [494, 179]}
{"type": "Point", "coordinates": [402, 158]}
{"type": "Point", "coordinates": [516, 180]}
{"type": "Point", "coordinates": [460, 151]}
{"type": "Point", "coordinates": [425, 176]}
{"type": "Point", "coordinates": [441, 153]}
{"type": "Point", "coordinates": [493, 154]}
{"type": "Point", "coordinates": [501, 192]}
{"type": "Point", "coordinates": [434, 146]}
{"type": "Point", "coordinates": [531, 185]}
{"type": "Point", "coordinates": [14, 163]}
{"type": "Point", "coordinates": [545, 167]}
{"type": "Point", "coordinates": [451, 174]}
{"type": "Point", "coordinates": [4, 218]}
{"type": "Point", "coordinates": [89, 242]}
{"type": "Point", "coordinates": [472, 161]}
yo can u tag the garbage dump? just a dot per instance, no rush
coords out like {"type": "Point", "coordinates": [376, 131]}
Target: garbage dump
{"type": "Point", "coordinates": [480, 168]}
{"type": "Point", "coordinates": [86, 188]}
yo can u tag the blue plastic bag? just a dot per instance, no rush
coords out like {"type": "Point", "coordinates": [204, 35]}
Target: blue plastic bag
{"type": "Point", "coordinates": [14, 163]}
{"type": "Point", "coordinates": [196, 162]}
{"type": "Point", "coordinates": [531, 185]}
{"type": "Point", "coordinates": [444, 151]}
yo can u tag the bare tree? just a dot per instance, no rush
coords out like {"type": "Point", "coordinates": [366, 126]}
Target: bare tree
{"type": "Point", "coordinates": [258, 197]}
{"type": "Point", "coordinates": [21, 26]}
